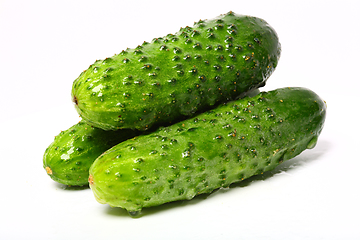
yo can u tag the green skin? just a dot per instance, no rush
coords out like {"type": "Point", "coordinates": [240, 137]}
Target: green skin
{"type": "Point", "coordinates": [233, 142]}
{"type": "Point", "coordinates": [178, 75]}
{"type": "Point", "coordinates": [68, 158]}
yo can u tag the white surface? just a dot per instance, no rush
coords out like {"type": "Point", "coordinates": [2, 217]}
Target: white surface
{"type": "Point", "coordinates": [44, 45]}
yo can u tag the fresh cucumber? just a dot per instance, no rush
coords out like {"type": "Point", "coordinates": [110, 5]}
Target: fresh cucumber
{"type": "Point", "coordinates": [68, 158]}
{"type": "Point", "coordinates": [228, 144]}
{"type": "Point", "coordinates": [178, 75]}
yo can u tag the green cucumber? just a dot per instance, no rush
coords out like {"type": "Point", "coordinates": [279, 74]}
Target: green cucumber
{"type": "Point", "coordinates": [68, 158]}
{"type": "Point", "coordinates": [230, 143]}
{"type": "Point", "coordinates": [178, 75]}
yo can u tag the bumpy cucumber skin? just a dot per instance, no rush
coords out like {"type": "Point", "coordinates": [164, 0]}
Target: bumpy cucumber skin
{"type": "Point", "coordinates": [225, 145]}
{"type": "Point", "coordinates": [178, 75]}
{"type": "Point", "coordinates": [68, 158]}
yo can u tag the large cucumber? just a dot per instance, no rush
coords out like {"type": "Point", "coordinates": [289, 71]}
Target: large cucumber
{"type": "Point", "coordinates": [178, 75]}
{"type": "Point", "coordinates": [214, 149]}
{"type": "Point", "coordinates": [68, 158]}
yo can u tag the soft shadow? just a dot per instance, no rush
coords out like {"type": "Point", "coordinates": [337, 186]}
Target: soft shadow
{"type": "Point", "coordinates": [120, 212]}
{"type": "Point", "coordinates": [116, 211]}
{"type": "Point", "coordinates": [304, 158]}
{"type": "Point", "coordinates": [70, 188]}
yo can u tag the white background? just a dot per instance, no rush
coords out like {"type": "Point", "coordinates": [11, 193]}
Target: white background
{"type": "Point", "coordinates": [45, 45]}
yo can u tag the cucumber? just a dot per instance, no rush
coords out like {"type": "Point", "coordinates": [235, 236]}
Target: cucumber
{"type": "Point", "coordinates": [68, 158]}
{"type": "Point", "coordinates": [228, 144]}
{"type": "Point", "coordinates": [178, 75]}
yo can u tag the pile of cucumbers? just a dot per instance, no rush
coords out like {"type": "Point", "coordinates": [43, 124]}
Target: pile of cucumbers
{"type": "Point", "coordinates": [182, 115]}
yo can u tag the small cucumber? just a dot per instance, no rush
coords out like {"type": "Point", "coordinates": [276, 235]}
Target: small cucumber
{"type": "Point", "coordinates": [214, 149]}
{"type": "Point", "coordinates": [178, 75]}
{"type": "Point", "coordinates": [68, 158]}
